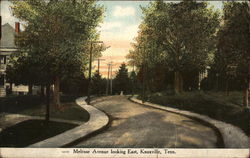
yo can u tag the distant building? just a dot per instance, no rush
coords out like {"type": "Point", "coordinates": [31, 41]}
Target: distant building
{"type": "Point", "coordinates": [7, 47]}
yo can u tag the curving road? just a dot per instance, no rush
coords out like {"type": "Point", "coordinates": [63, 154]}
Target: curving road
{"type": "Point", "coordinates": [139, 126]}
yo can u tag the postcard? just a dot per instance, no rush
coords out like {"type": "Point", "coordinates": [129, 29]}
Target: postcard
{"type": "Point", "coordinates": [97, 78]}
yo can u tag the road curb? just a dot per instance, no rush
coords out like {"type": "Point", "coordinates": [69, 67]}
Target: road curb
{"type": "Point", "coordinates": [233, 137]}
{"type": "Point", "coordinates": [97, 121]}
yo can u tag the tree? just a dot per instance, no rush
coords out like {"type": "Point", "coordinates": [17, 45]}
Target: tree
{"type": "Point", "coordinates": [233, 43]}
{"type": "Point", "coordinates": [133, 82]}
{"type": "Point", "coordinates": [57, 34]}
{"type": "Point", "coordinates": [98, 84]}
{"type": "Point", "coordinates": [22, 69]}
{"type": "Point", "coordinates": [74, 85]}
{"type": "Point", "coordinates": [180, 35]}
{"type": "Point", "coordinates": [233, 37]}
{"type": "Point", "coordinates": [121, 81]}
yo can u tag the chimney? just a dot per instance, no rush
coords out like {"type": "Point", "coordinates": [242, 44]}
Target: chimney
{"type": "Point", "coordinates": [17, 27]}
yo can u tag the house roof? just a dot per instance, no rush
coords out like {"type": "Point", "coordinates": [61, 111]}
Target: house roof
{"type": "Point", "coordinates": [8, 36]}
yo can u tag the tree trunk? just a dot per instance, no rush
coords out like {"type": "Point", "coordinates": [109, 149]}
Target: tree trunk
{"type": "Point", "coordinates": [42, 91]}
{"type": "Point", "coordinates": [178, 82]}
{"type": "Point", "coordinates": [227, 87]}
{"type": "Point", "coordinates": [48, 102]}
{"type": "Point", "coordinates": [246, 94]}
{"type": "Point", "coordinates": [56, 92]}
{"type": "Point", "coordinates": [30, 89]}
{"type": "Point", "coordinates": [246, 97]}
{"type": "Point", "coordinates": [11, 88]}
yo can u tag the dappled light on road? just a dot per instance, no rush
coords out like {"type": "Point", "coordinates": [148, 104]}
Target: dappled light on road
{"type": "Point", "coordinates": [135, 125]}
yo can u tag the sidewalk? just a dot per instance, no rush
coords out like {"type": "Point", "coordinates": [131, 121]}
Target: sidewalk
{"type": "Point", "coordinates": [97, 121]}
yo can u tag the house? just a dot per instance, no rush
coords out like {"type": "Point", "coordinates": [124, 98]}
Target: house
{"type": "Point", "coordinates": [7, 47]}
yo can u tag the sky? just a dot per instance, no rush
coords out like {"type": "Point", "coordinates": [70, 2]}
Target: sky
{"type": "Point", "coordinates": [119, 28]}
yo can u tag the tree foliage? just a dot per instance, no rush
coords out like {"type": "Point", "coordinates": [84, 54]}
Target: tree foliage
{"type": "Point", "coordinates": [57, 35]}
{"type": "Point", "coordinates": [98, 86]}
{"type": "Point", "coordinates": [122, 81]}
{"type": "Point", "coordinates": [179, 35]}
{"type": "Point", "coordinates": [233, 38]}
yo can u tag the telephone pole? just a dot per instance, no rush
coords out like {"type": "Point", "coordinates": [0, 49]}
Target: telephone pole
{"type": "Point", "coordinates": [107, 87]}
{"type": "Point", "coordinates": [99, 62]}
{"type": "Point", "coordinates": [90, 68]}
{"type": "Point", "coordinates": [111, 78]}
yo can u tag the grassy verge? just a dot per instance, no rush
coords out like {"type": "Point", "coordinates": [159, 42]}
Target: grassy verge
{"type": "Point", "coordinates": [215, 105]}
{"type": "Point", "coordinates": [30, 132]}
{"type": "Point", "coordinates": [35, 106]}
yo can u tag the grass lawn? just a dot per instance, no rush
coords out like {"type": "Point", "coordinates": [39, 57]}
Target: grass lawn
{"type": "Point", "coordinates": [35, 106]}
{"type": "Point", "coordinates": [30, 132]}
{"type": "Point", "coordinates": [213, 104]}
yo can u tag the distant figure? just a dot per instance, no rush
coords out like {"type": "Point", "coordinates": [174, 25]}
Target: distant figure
{"type": "Point", "coordinates": [121, 93]}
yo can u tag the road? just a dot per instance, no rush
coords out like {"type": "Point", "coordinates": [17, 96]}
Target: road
{"type": "Point", "coordinates": [137, 126]}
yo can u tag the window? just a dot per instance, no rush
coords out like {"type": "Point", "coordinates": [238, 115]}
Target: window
{"type": "Point", "coordinates": [2, 59]}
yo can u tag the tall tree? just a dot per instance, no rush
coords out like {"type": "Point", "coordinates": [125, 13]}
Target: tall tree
{"type": "Point", "coordinates": [121, 81]}
{"type": "Point", "coordinates": [234, 36]}
{"type": "Point", "coordinates": [233, 41]}
{"type": "Point", "coordinates": [57, 35]}
{"type": "Point", "coordinates": [181, 35]}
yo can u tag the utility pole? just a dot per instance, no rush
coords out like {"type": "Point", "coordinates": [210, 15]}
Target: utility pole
{"type": "Point", "coordinates": [107, 87]}
{"type": "Point", "coordinates": [99, 62]}
{"type": "Point", "coordinates": [111, 78]}
{"type": "Point", "coordinates": [90, 68]}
